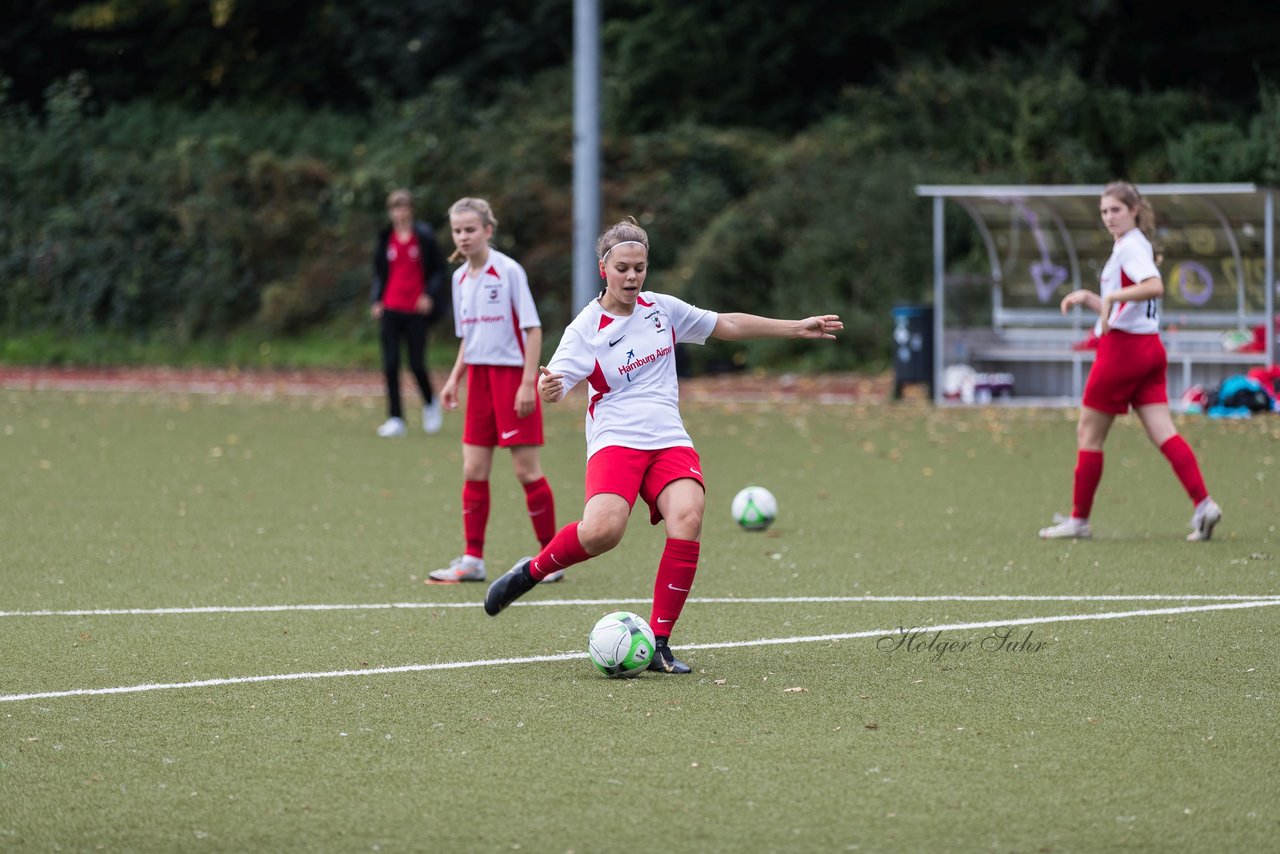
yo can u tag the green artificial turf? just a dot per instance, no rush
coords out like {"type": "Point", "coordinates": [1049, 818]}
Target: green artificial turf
{"type": "Point", "coordinates": [1154, 733]}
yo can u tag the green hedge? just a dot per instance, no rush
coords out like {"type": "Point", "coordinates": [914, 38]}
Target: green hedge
{"type": "Point", "coordinates": [150, 221]}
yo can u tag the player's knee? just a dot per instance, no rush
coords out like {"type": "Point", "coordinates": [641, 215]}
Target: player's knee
{"type": "Point", "coordinates": [1088, 438]}
{"type": "Point", "coordinates": [527, 471]}
{"type": "Point", "coordinates": [685, 523]}
{"type": "Point", "coordinates": [601, 535]}
{"type": "Point", "coordinates": [475, 471]}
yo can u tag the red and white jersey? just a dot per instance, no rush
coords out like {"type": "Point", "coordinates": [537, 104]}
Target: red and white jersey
{"type": "Point", "coordinates": [492, 310]}
{"type": "Point", "coordinates": [1132, 261]}
{"type": "Point", "coordinates": [629, 363]}
{"type": "Point", "coordinates": [404, 274]}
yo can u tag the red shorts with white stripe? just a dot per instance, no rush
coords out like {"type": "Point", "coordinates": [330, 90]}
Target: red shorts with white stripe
{"type": "Point", "coordinates": [1129, 371]}
{"type": "Point", "coordinates": [630, 472]}
{"type": "Point", "coordinates": [491, 409]}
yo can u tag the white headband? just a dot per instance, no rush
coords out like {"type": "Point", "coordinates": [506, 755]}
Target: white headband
{"type": "Point", "coordinates": [623, 243]}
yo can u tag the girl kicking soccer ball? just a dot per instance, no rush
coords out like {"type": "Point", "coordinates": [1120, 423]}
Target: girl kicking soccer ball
{"type": "Point", "coordinates": [623, 346]}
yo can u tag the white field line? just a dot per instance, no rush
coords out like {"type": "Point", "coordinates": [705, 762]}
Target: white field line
{"type": "Point", "coordinates": [489, 662]}
{"type": "Point", "coordinates": [731, 600]}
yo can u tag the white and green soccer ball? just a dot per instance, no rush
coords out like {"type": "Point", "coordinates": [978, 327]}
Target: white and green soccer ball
{"type": "Point", "coordinates": [754, 508]}
{"type": "Point", "coordinates": [621, 644]}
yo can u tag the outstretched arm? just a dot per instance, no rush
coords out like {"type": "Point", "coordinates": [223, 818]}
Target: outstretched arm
{"type": "Point", "coordinates": [736, 326]}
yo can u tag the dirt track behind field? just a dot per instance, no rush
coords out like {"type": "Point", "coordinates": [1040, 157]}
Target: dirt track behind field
{"type": "Point", "coordinates": [743, 387]}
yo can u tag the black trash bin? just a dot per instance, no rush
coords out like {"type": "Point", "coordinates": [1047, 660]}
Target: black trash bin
{"type": "Point", "coordinates": [912, 347]}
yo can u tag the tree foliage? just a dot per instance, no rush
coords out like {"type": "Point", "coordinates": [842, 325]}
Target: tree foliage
{"type": "Point", "coordinates": [189, 169]}
{"type": "Point", "coordinates": [732, 63]}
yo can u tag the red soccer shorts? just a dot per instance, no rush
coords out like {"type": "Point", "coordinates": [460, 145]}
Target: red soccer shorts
{"type": "Point", "coordinates": [1129, 371]}
{"type": "Point", "coordinates": [630, 472]}
{"type": "Point", "coordinates": [491, 409]}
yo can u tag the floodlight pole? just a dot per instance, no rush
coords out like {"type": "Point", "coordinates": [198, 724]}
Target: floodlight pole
{"type": "Point", "coordinates": [939, 293]}
{"type": "Point", "coordinates": [1269, 247]}
{"type": "Point", "coordinates": [586, 151]}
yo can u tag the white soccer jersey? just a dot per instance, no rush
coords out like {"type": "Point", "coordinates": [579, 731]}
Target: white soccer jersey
{"type": "Point", "coordinates": [492, 310]}
{"type": "Point", "coordinates": [629, 364]}
{"type": "Point", "coordinates": [1132, 260]}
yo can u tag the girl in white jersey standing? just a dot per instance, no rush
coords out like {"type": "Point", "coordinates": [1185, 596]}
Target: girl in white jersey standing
{"type": "Point", "coordinates": [623, 346]}
{"type": "Point", "coordinates": [494, 315]}
{"type": "Point", "coordinates": [1130, 366]}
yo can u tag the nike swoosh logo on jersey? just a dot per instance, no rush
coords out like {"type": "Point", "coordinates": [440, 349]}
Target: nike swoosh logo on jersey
{"type": "Point", "coordinates": [680, 589]}
{"type": "Point", "coordinates": [614, 342]}
{"type": "Point", "coordinates": [660, 620]}
{"type": "Point", "coordinates": [507, 434]}
{"type": "Point", "coordinates": [695, 471]}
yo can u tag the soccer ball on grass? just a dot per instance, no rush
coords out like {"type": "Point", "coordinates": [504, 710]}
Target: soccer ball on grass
{"type": "Point", "coordinates": [754, 508]}
{"type": "Point", "coordinates": [621, 644]}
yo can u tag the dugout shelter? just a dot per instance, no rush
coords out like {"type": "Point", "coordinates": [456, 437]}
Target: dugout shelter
{"type": "Point", "coordinates": [1017, 250]}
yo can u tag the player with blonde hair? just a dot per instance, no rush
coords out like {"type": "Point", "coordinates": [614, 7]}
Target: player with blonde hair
{"type": "Point", "coordinates": [495, 316]}
{"type": "Point", "coordinates": [622, 345]}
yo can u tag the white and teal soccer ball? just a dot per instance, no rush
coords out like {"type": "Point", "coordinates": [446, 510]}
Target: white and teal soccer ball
{"type": "Point", "coordinates": [621, 644]}
{"type": "Point", "coordinates": [754, 508]}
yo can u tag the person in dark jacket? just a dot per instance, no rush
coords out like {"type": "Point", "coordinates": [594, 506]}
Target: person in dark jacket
{"type": "Point", "coordinates": [408, 291]}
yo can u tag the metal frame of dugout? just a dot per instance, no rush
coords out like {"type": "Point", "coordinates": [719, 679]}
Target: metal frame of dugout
{"type": "Point", "coordinates": [1034, 244]}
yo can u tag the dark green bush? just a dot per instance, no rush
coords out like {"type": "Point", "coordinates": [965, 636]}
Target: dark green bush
{"type": "Point", "coordinates": [155, 221]}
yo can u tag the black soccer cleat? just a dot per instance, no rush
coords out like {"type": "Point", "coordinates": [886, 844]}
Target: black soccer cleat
{"type": "Point", "coordinates": [513, 584]}
{"type": "Point", "coordinates": [664, 660]}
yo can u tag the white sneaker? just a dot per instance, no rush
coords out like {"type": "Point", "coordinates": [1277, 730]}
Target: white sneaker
{"type": "Point", "coordinates": [553, 577]}
{"type": "Point", "coordinates": [1207, 514]}
{"type": "Point", "coordinates": [391, 428]}
{"type": "Point", "coordinates": [1067, 528]}
{"type": "Point", "coordinates": [432, 416]}
{"type": "Point", "coordinates": [460, 569]}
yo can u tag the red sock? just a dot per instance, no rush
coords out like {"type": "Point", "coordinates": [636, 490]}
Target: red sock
{"type": "Point", "coordinates": [675, 580]}
{"type": "Point", "coordinates": [565, 549]}
{"type": "Point", "coordinates": [1183, 460]}
{"type": "Point", "coordinates": [475, 515]}
{"type": "Point", "coordinates": [542, 510]}
{"type": "Point", "coordinates": [1088, 474]}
